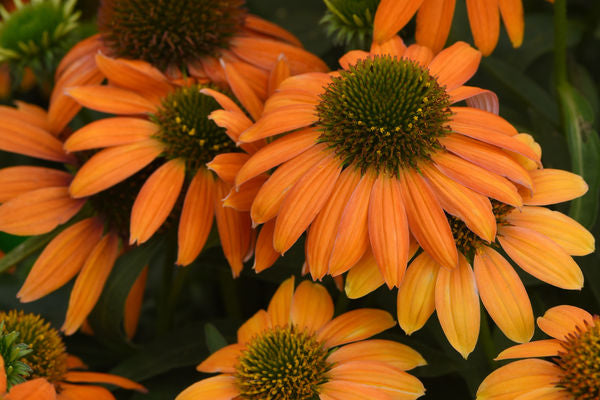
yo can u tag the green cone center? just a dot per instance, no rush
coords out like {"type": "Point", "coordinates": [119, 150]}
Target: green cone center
{"type": "Point", "coordinates": [384, 114]}
{"type": "Point", "coordinates": [282, 364]}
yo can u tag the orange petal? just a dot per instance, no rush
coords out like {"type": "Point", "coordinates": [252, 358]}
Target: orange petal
{"type": "Point", "coordinates": [457, 306]}
{"type": "Point", "coordinates": [527, 139]}
{"type": "Point", "coordinates": [427, 220]}
{"type": "Point", "coordinates": [476, 97]}
{"type": "Point", "coordinates": [551, 186]}
{"type": "Point", "coordinates": [472, 208]}
{"type": "Point", "coordinates": [303, 203]}
{"type": "Point", "coordinates": [196, 217]}
{"type": "Point", "coordinates": [28, 113]}
{"type": "Point", "coordinates": [38, 211]}
{"type": "Point", "coordinates": [280, 305]}
{"type": "Point", "coordinates": [419, 54]}
{"type": "Point", "coordinates": [254, 326]}
{"type": "Point", "coordinates": [504, 295]}
{"type": "Point", "coordinates": [23, 138]}
{"type": "Point", "coordinates": [35, 389]}
{"type": "Point", "coordinates": [224, 101]}
{"type": "Point", "coordinates": [388, 229]}
{"type": "Point", "coordinates": [155, 200]}
{"type": "Point", "coordinates": [392, 353]}
{"type": "Point", "coordinates": [61, 260]}
{"type": "Point", "coordinates": [259, 25]}
{"type": "Point", "coordinates": [113, 165]}
{"type": "Point", "coordinates": [514, 22]}
{"type": "Point", "coordinates": [264, 53]}
{"type": "Point", "coordinates": [416, 295]}
{"type": "Point", "coordinates": [346, 390]}
{"type": "Point", "coordinates": [488, 157]}
{"type": "Point", "coordinates": [264, 254]}
{"type": "Point", "coordinates": [87, 46]}
{"type": "Point", "coordinates": [312, 306]}
{"type": "Point", "coordinates": [540, 257]}
{"type": "Point", "coordinates": [233, 122]}
{"type": "Point", "coordinates": [477, 178]}
{"type": "Point", "coordinates": [133, 304]}
{"type": "Point", "coordinates": [111, 100]}
{"type": "Point", "coordinates": [352, 239]}
{"type": "Point", "coordinates": [312, 82]}
{"type": "Point", "coordinates": [83, 392]}
{"type": "Point", "coordinates": [387, 379]}
{"type": "Point", "coordinates": [255, 77]}
{"type": "Point", "coordinates": [565, 231]}
{"type": "Point", "coordinates": [355, 325]}
{"type": "Point", "coordinates": [539, 348]}
{"type": "Point", "coordinates": [268, 200]}
{"type": "Point", "coordinates": [560, 321]}
{"type": "Point", "coordinates": [352, 57]}
{"type": "Point", "coordinates": [90, 282]}
{"type": "Point", "coordinates": [517, 378]}
{"type": "Point", "coordinates": [98, 377]}
{"type": "Point", "coordinates": [242, 91]}
{"type": "Point", "coordinates": [234, 230]}
{"type": "Point", "coordinates": [284, 119]}
{"type": "Point", "coordinates": [394, 47]}
{"type": "Point", "coordinates": [220, 387]}
{"type": "Point", "coordinates": [391, 16]}
{"type": "Point", "coordinates": [484, 19]}
{"type": "Point", "coordinates": [549, 392]}
{"type": "Point", "coordinates": [364, 277]}
{"type": "Point", "coordinates": [222, 360]}
{"type": "Point", "coordinates": [323, 231]}
{"type": "Point", "coordinates": [241, 199]}
{"type": "Point", "coordinates": [285, 98]}
{"type": "Point", "coordinates": [277, 152]}
{"type": "Point", "coordinates": [227, 165]}
{"type": "Point", "coordinates": [455, 65]}
{"type": "Point", "coordinates": [110, 132]}
{"type": "Point", "coordinates": [279, 73]}
{"type": "Point", "coordinates": [481, 120]}
{"type": "Point", "coordinates": [433, 23]}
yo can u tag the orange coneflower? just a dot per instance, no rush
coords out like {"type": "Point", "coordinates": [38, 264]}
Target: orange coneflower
{"type": "Point", "coordinates": [34, 364]}
{"type": "Point", "coordinates": [158, 120]}
{"type": "Point", "coordinates": [183, 38]}
{"type": "Point", "coordinates": [35, 200]}
{"type": "Point", "coordinates": [361, 136]}
{"type": "Point", "coordinates": [574, 373]}
{"type": "Point", "coordinates": [434, 18]}
{"type": "Point", "coordinates": [295, 351]}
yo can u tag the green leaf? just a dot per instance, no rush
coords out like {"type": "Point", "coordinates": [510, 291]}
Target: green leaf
{"type": "Point", "coordinates": [107, 317]}
{"type": "Point", "coordinates": [584, 148]}
{"type": "Point", "coordinates": [214, 339]}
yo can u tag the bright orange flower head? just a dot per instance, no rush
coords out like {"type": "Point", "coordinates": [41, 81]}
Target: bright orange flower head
{"type": "Point", "coordinates": [434, 19]}
{"type": "Point", "coordinates": [354, 166]}
{"type": "Point", "coordinates": [296, 351]}
{"type": "Point", "coordinates": [51, 373]}
{"type": "Point", "coordinates": [573, 374]}
{"type": "Point", "coordinates": [180, 38]}
{"type": "Point", "coordinates": [35, 200]}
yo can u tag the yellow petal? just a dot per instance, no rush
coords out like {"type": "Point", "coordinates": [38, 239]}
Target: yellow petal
{"type": "Point", "coordinates": [354, 326]}
{"type": "Point", "coordinates": [281, 304]}
{"type": "Point", "coordinates": [392, 353]}
{"type": "Point", "coordinates": [539, 348]}
{"type": "Point", "coordinates": [364, 277]}
{"type": "Point", "coordinates": [254, 326]}
{"type": "Point", "coordinates": [560, 321]}
{"type": "Point", "coordinates": [551, 186]}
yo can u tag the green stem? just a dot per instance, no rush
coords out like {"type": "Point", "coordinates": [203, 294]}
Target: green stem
{"type": "Point", "coordinates": [560, 42]}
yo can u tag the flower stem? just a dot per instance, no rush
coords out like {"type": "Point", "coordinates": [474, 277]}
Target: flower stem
{"type": "Point", "coordinates": [560, 42]}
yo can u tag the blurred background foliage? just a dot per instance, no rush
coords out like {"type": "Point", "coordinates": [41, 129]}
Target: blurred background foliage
{"type": "Point", "coordinates": [190, 312]}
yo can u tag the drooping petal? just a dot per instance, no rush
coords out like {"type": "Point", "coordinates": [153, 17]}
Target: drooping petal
{"type": "Point", "coordinates": [111, 100]}
{"type": "Point", "coordinates": [257, 324]}
{"type": "Point", "coordinates": [551, 186]}
{"type": "Point", "coordinates": [98, 377]}
{"type": "Point", "coordinates": [242, 91]}
{"type": "Point", "coordinates": [388, 229]}
{"type": "Point", "coordinates": [109, 132]}
{"type": "Point", "coordinates": [565, 231]}
{"type": "Point", "coordinates": [559, 321]}
{"type": "Point", "coordinates": [514, 22]}
{"type": "Point", "coordinates": [220, 387]}
{"type": "Point", "coordinates": [287, 98]}
{"type": "Point", "coordinates": [355, 325]}
{"type": "Point", "coordinates": [433, 23]}
{"type": "Point", "coordinates": [233, 122]}
{"type": "Point", "coordinates": [90, 281]}
{"type": "Point", "coordinates": [313, 82]}
{"type": "Point", "coordinates": [538, 348]}
{"type": "Point", "coordinates": [83, 392]}
{"type": "Point", "coordinates": [241, 199]}
{"type": "Point", "coordinates": [225, 102]}
{"type": "Point", "coordinates": [322, 233]}
{"type": "Point", "coordinates": [476, 97]}
{"type": "Point", "coordinates": [35, 389]}
{"type": "Point", "coordinates": [279, 73]}
{"type": "Point", "coordinates": [541, 257]}
{"type": "Point", "coordinates": [455, 65]}
{"type": "Point", "coordinates": [396, 354]}
{"type": "Point", "coordinates": [133, 304]}
{"type": "Point", "coordinates": [457, 306]}
{"type": "Point", "coordinates": [352, 239]}
{"type": "Point", "coordinates": [61, 260]}
{"type": "Point", "coordinates": [391, 16]}
{"type": "Point", "coordinates": [155, 200]}
{"type": "Point", "coordinates": [23, 138]}
{"type": "Point", "coordinates": [284, 119]}
{"type": "Point", "coordinates": [222, 360]}
{"type": "Point", "coordinates": [280, 307]}
{"type": "Point", "coordinates": [312, 306]}
{"type": "Point", "coordinates": [264, 254]}
{"type": "Point", "coordinates": [364, 277]}
{"type": "Point", "coordinates": [303, 202]}
{"type": "Point", "coordinates": [504, 295]}
{"type": "Point", "coordinates": [427, 220]}
{"type": "Point", "coordinates": [416, 295]}
{"type": "Point", "coordinates": [113, 165]}
{"type": "Point", "coordinates": [38, 211]}
{"type": "Point", "coordinates": [227, 165]}
{"type": "Point", "coordinates": [484, 19]}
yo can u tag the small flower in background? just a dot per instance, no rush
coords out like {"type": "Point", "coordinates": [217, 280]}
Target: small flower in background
{"type": "Point", "coordinates": [434, 19]}
{"type": "Point", "coordinates": [573, 373]}
{"type": "Point", "coordinates": [350, 23]}
{"type": "Point", "coordinates": [46, 371]}
{"type": "Point", "coordinates": [296, 351]}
